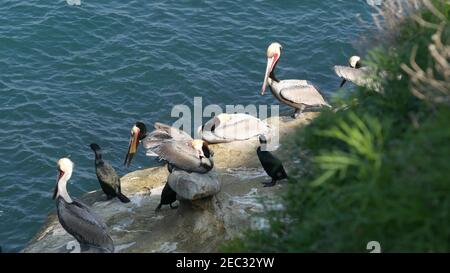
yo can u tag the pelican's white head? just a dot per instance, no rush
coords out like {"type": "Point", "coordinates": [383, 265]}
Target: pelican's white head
{"type": "Point", "coordinates": [274, 48]}
{"type": "Point", "coordinates": [65, 168]}
{"type": "Point", "coordinates": [273, 54]}
{"type": "Point", "coordinates": [354, 62]}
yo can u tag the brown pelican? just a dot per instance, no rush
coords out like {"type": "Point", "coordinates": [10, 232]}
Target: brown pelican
{"type": "Point", "coordinates": [107, 176]}
{"type": "Point", "coordinates": [138, 133]}
{"type": "Point", "coordinates": [271, 164]}
{"type": "Point", "coordinates": [299, 94]}
{"type": "Point", "coordinates": [233, 127]}
{"type": "Point", "coordinates": [77, 218]}
{"type": "Point", "coordinates": [354, 72]}
{"type": "Point", "coordinates": [172, 145]}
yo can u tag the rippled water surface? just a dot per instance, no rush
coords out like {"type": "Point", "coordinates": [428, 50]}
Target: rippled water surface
{"type": "Point", "coordinates": [71, 75]}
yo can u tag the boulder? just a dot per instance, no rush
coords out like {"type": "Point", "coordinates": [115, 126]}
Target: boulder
{"type": "Point", "coordinates": [194, 186]}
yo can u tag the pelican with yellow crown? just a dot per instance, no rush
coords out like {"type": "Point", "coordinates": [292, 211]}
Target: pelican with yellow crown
{"type": "Point", "coordinates": [298, 94]}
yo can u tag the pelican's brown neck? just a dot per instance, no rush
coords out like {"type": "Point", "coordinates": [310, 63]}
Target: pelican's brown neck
{"type": "Point", "coordinates": [272, 75]}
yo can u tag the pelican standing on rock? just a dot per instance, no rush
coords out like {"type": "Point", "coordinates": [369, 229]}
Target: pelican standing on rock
{"type": "Point", "coordinates": [76, 217]}
{"type": "Point", "coordinates": [299, 94]}
{"type": "Point", "coordinates": [173, 146]}
{"type": "Point", "coordinates": [107, 176]}
{"type": "Point", "coordinates": [354, 72]}
{"type": "Point", "coordinates": [232, 127]}
{"type": "Point", "coordinates": [271, 164]}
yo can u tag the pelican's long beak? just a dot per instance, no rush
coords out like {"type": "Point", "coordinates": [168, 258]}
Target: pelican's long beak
{"type": "Point", "coordinates": [270, 64]}
{"type": "Point", "coordinates": [55, 191]}
{"type": "Point", "coordinates": [133, 146]}
{"type": "Point", "coordinates": [200, 130]}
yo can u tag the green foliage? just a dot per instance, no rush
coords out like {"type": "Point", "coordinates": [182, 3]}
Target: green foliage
{"type": "Point", "coordinates": [378, 168]}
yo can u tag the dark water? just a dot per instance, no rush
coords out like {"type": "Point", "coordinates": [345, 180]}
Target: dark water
{"type": "Point", "coordinates": [72, 75]}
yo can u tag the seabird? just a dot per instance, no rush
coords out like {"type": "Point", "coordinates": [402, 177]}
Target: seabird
{"type": "Point", "coordinates": [76, 217]}
{"type": "Point", "coordinates": [354, 72]}
{"type": "Point", "coordinates": [299, 94]}
{"type": "Point", "coordinates": [168, 196]}
{"type": "Point", "coordinates": [232, 127]}
{"type": "Point", "coordinates": [271, 164]}
{"type": "Point", "coordinates": [107, 176]}
{"type": "Point", "coordinates": [173, 146]}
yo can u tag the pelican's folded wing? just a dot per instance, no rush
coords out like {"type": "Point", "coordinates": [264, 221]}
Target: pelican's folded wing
{"type": "Point", "coordinates": [86, 226]}
{"type": "Point", "coordinates": [303, 94]}
{"type": "Point", "coordinates": [179, 153]}
{"type": "Point", "coordinates": [173, 132]}
{"type": "Point", "coordinates": [161, 134]}
{"type": "Point", "coordinates": [241, 127]}
{"type": "Point", "coordinates": [357, 76]}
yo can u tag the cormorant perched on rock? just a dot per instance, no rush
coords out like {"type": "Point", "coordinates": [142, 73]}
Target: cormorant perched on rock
{"type": "Point", "coordinates": [107, 176]}
{"type": "Point", "coordinates": [76, 217]}
{"type": "Point", "coordinates": [272, 165]}
{"type": "Point", "coordinates": [168, 195]}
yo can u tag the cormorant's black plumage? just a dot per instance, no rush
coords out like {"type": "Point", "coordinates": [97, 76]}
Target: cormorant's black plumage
{"type": "Point", "coordinates": [168, 196]}
{"type": "Point", "coordinates": [107, 176]}
{"type": "Point", "coordinates": [271, 164]}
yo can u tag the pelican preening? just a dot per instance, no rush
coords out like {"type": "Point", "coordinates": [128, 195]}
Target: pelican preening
{"type": "Point", "coordinates": [107, 176]}
{"type": "Point", "coordinates": [271, 164]}
{"type": "Point", "coordinates": [354, 72]}
{"type": "Point", "coordinates": [233, 127]}
{"type": "Point", "coordinates": [163, 132]}
{"type": "Point", "coordinates": [173, 146]}
{"type": "Point", "coordinates": [76, 217]}
{"type": "Point", "coordinates": [299, 94]}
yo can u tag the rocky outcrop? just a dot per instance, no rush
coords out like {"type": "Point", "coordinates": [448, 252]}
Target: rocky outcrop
{"type": "Point", "coordinates": [194, 186]}
{"type": "Point", "coordinates": [196, 226]}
